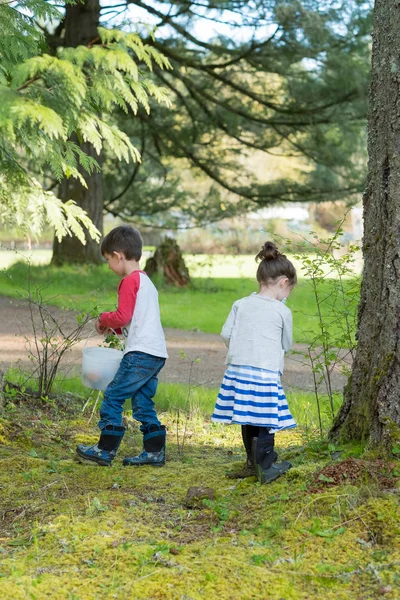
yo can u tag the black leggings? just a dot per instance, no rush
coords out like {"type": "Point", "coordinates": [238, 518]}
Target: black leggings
{"type": "Point", "coordinates": [265, 439]}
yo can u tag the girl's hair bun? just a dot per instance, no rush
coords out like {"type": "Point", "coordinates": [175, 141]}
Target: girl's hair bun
{"type": "Point", "coordinates": [274, 264]}
{"type": "Point", "coordinates": [268, 252]}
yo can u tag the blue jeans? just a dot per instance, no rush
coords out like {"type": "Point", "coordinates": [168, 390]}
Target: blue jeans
{"type": "Point", "coordinates": [136, 378]}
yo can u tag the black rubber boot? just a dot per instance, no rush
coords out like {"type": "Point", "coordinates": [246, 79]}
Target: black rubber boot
{"type": "Point", "coordinates": [111, 438]}
{"type": "Point", "coordinates": [153, 449]}
{"type": "Point", "coordinates": [103, 453]}
{"type": "Point", "coordinates": [249, 469]}
{"type": "Point", "coordinates": [264, 457]}
{"type": "Point", "coordinates": [248, 432]}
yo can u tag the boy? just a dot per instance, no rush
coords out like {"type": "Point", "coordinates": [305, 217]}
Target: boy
{"type": "Point", "coordinates": [138, 317]}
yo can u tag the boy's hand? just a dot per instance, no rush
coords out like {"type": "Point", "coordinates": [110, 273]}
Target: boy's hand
{"type": "Point", "coordinates": [99, 328]}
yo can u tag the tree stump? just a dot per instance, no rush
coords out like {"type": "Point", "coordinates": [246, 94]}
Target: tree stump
{"type": "Point", "coordinates": [167, 262]}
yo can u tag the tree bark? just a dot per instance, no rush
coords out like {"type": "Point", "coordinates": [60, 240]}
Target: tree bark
{"type": "Point", "coordinates": [168, 264]}
{"type": "Point", "coordinates": [371, 408]}
{"type": "Point", "coordinates": [80, 28]}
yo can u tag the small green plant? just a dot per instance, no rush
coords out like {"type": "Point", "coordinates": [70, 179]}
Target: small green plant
{"type": "Point", "coordinates": [13, 392]}
{"type": "Point", "coordinates": [112, 340]}
{"type": "Point", "coordinates": [258, 559]}
{"type": "Point", "coordinates": [188, 409]}
{"type": "Point", "coordinates": [298, 555]}
{"type": "Point", "coordinates": [95, 506]}
{"type": "Point", "coordinates": [49, 335]}
{"type": "Point", "coordinates": [221, 508]}
{"type": "Point", "coordinates": [329, 270]}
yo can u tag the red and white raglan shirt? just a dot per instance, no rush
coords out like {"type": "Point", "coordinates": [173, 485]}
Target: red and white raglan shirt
{"type": "Point", "coordinates": [137, 316]}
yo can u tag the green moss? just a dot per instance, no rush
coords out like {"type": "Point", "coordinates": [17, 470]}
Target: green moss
{"type": "Point", "coordinates": [391, 437]}
{"type": "Point", "coordinates": [3, 435]}
{"type": "Point", "coordinates": [73, 531]}
{"type": "Point", "coordinates": [382, 371]}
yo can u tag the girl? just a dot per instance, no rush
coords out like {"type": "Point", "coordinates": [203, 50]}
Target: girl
{"type": "Point", "coordinates": [258, 331]}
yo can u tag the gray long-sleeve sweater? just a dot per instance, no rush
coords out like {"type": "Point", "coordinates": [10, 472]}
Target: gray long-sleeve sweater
{"type": "Point", "coordinates": [258, 331]}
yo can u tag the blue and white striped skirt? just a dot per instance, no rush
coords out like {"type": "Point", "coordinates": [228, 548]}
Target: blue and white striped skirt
{"type": "Point", "coordinates": [252, 396]}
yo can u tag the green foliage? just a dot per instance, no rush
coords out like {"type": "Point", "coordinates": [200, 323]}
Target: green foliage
{"type": "Point", "coordinates": [112, 340]}
{"type": "Point", "coordinates": [20, 38]}
{"type": "Point", "coordinates": [31, 208]}
{"type": "Point", "coordinates": [237, 99]}
{"type": "Point", "coordinates": [51, 104]}
{"type": "Point", "coordinates": [273, 111]}
{"type": "Point", "coordinates": [332, 346]}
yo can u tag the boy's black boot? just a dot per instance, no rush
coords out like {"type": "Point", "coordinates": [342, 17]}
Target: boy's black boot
{"type": "Point", "coordinates": [264, 458]}
{"type": "Point", "coordinates": [249, 469]}
{"type": "Point", "coordinates": [153, 452]}
{"type": "Point", "coordinates": [103, 453]}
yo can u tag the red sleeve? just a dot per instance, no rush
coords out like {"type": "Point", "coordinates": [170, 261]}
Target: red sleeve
{"type": "Point", "coordinates": [127, 293]}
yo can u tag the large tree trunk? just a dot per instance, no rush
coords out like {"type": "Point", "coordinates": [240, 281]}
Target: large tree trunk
{"type": "Point", "coordinates": [371, 408]}
{"type": "Point", "coordinates": [80, 28]}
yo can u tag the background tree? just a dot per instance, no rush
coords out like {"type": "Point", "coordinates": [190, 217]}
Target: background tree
{"type": "Point", "coordinates": [276, 76]}
{"type": "Point", "coordinates": [249, 80]}
{"type": "Point", "coordinates": [54, 115]}
{"type": "Point", "coordinates": [371, 408]}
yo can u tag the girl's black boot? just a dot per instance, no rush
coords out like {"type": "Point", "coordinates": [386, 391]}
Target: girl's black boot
{"type": "Point", "coordinates": [249, 469]}
{"type": "Point", "coordinates": [264, 457]}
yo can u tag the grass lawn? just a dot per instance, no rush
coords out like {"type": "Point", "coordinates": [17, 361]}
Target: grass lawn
{"type": "Point", "coordinates": [196, 400]}
{"type": "Point", "coordinates": [9, 257]}
{"type": "Point", "coordinates": [203, 306]}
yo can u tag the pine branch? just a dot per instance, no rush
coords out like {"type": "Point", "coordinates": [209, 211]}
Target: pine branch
{"type": "Point", "coordinates": [181, 30]}
{"type": "Point", "coordinates": [183, 100]}
{"type": "Point", "coordinates": [214, 99]}
{"type": "Point", "coordinates": [246, 192]}
{"type": "Point", "coordinates": [241, 56]}
{"type": "Point", "coordinates": [28, 83]}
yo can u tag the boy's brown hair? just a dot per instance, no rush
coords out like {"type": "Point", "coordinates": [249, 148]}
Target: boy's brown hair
{"type": "Point", "coordinates": [125, 239]}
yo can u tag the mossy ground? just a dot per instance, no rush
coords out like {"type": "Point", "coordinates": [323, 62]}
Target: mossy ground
{"type": "Point", "coordinates": [81, 532]}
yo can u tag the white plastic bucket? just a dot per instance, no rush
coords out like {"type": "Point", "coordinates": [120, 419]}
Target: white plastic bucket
{"type": "Point", "coordinates": [99, 366]}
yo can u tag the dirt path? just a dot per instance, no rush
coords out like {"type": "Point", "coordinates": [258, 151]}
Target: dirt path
{"type": "Point", "coordinates": [183, 348]}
